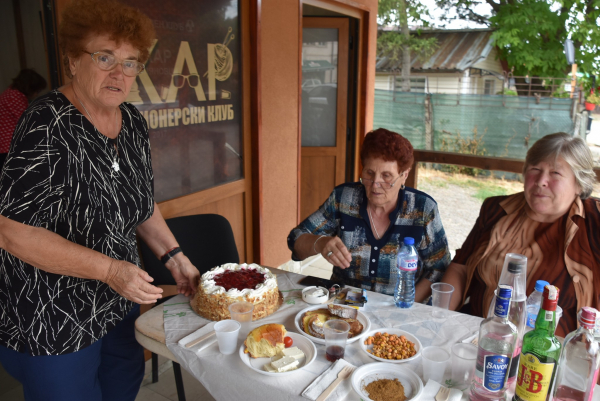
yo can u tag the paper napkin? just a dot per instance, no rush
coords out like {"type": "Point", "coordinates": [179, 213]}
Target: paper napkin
{"type": "Point", "coordinates": [199, 333]}
{"type": "Point", "coordinates": [320, 384]}
{"type": "Point", "coordinates": [433, 387]}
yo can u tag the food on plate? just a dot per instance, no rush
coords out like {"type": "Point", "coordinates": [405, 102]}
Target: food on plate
{"type": "Point", "coordinates": [265, 341]}
{"type": "Point", "coordinates": [313, 320]}
{"type": "Point", "coordinates": [347, 313]}
{"type": "Point", "coordinates": [224, 285]}
{"type": "Point", "coordinates": [385, 390]}
{"type": "Point", "coordinates": [288, 342]}
{"type": "Point", "coordinates": [390, 346]}
{"type": "Point", "coordinates": [288, 359]}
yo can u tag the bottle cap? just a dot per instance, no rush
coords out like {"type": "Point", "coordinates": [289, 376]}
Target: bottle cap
{"type": "Point", "coordinates": [550, 298]}
{"type": "Point", "coordinates": [587, 317]}
{"type": "Point", "coordinates": [409, 241]}
{"type": "Point", "coordinates": [505, 291]}
{"type": "Point", "coordinates": [540, 284]}
{"type": "Point", "coordinates": [516, 267]}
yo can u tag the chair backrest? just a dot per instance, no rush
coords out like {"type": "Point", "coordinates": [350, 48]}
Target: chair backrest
{"type": "Point", "coordinates": [206, 239]}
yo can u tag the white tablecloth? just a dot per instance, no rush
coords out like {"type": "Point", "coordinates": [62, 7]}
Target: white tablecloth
{"type": "Point", "coordinates": [228, 378]}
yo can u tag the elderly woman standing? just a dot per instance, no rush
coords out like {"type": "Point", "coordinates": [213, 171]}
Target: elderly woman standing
{"type": "Point", "coordinates": [554, 222]}
{"type": "Point", "coordinates": [77, 186]}
{"type": "Point", "coordinates": [359, 228]}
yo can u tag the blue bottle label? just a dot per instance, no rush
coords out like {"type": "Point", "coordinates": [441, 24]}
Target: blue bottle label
{"type": "Point", "coordinates": [409, 265]}
{"type": "Point", "coordinates": [502, 307]}
{"type": "Point", "coordinates": [531, 318]}
{"type": "Point", "coordinates": [494, 371]}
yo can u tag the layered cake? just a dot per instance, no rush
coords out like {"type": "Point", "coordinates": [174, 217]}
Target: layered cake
{"type": "Point", "coordinates": [224, 285]}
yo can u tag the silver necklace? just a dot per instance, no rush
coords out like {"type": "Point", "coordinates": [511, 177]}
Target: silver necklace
{"type": "Point", "coordinates": [377, 236]}
{"type": "Point", "coordinates": [115, 164]}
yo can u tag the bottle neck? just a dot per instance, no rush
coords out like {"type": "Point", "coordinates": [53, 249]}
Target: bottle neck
{"type": "Point", "coordinates": [544, 324]}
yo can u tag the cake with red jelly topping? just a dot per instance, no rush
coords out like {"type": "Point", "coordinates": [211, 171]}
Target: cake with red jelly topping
{"type": "Point", "coordinates": [224, 285]}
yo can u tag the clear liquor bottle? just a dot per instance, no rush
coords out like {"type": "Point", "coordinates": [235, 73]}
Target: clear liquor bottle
{"type": "Point", "coordinates": [514, 273]}
{"type": "Point", "coordinates": [540, 353]}
{"type": "Point", "coordinates": [577, 367]}
{"type": "Point", "coordinates": [497, 339]}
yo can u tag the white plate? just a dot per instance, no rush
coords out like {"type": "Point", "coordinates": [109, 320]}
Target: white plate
{"type": "Point", "coordinates": [305, 345]}
{"type": "Point", "coordinates": [397, 332]}
{"type": "Point", "coordinates": [413, 386]}
{"type": "Point", "coordinates": [361, 318]}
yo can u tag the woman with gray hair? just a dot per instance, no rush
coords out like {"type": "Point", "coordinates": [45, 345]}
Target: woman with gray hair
{"type": "Point", "coordinates": [554, 222]}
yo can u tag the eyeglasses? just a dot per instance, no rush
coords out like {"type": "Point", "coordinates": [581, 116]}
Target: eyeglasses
{"type": "Point", "coordinates": [381, 184]}
{"type": "Point", "coordinates": [179, 80]}
{"type": "Point", "coordinates": [107, 62]}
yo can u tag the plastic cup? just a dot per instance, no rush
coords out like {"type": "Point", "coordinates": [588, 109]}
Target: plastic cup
{"type": "Point", "coordinates": [464, 357]}
{"type": "Point", "coordinates": [440, 299]}
{"type": "Point", "coordinates": [435, 360]}
{"type": "Point", "coordinates": [242, 312]}
{"type": "Point", "coordinates": [227, 335]}
{"type": "Point", "coordinates": [336, 335]}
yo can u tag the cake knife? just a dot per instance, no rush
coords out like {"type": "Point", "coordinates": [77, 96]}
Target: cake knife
{"type": "Point", "coordinates": [200, 339]}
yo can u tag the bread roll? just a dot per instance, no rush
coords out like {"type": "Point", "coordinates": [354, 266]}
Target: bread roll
{"type": "Point", "coordinates": [265, 341]}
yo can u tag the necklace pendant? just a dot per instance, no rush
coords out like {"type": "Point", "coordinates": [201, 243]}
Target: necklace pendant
{"type": "Point", "coordinates": [115, 165]}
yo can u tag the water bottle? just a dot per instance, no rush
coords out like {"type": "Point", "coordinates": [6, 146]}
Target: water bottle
{"type": "Point", "coordinates": [534, 301]}
{"type": "Point", "coordinates": [407, 263]}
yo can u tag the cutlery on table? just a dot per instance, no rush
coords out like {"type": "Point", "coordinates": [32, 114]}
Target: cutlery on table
{"type": "Point", "coordinates": [442, 394]}
{"type": "Point", "coordinates": [344, 373]}
{"type": "Point", "coordinates": [200, 339]}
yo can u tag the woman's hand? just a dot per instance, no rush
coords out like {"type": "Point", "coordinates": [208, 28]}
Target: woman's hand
{"type": "Point", "coordinates": [335, 252]}
{"type": "Point", "coordinates": [186, 275]}
{"type": "Point", "coordinates": [132, 283]}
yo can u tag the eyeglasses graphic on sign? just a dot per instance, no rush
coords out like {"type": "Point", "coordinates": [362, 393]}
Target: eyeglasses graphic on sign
{"type": "Point", "coordinates": [179, 80]}
{"type": "Point", "coordinates": [107, 62]}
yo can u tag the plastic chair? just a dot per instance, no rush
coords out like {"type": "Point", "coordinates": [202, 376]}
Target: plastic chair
{"type": "Point", "coordinates": [208, 241]}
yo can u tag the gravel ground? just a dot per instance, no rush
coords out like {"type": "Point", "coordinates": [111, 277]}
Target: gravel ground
{"type": "Point", "coordinates": [458, 208]}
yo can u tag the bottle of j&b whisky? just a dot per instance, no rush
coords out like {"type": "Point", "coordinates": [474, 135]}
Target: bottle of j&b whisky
{"type": "Point", "coordinates": [540, 353]}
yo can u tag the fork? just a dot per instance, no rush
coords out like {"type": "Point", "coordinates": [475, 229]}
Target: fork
{"type": "Point", "coordinates": [344, 373]}
{"type": "Point", "coordinates": [442, 394]}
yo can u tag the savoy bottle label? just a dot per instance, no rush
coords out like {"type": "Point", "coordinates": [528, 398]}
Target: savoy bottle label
{"type": "Point", "coordinates": [494, 371]}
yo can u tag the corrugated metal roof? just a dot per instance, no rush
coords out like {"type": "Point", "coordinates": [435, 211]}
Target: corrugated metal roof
{"type": "Point", "coordinates": [457, 51]}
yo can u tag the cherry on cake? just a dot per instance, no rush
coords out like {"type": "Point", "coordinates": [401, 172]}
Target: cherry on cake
{"type": "Point", "coordinates": [224, 285]}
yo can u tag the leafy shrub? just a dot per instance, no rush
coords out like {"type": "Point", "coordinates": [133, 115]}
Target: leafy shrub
{"type": "Point", "coordinates": [458, 144]}
{"type": "Point", "coordinates": [508, 92]}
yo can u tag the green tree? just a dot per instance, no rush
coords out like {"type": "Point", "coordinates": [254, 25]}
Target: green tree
{"type": "Point", "coordinates": [393, 45]}
{"type": "Point", "coordinates": [530, 33]}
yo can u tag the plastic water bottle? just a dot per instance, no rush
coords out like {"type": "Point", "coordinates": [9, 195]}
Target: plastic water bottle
{"type": "Point", "coordinates": [407, 263]}
{"type": "Point", "coordinates": [534, 301]}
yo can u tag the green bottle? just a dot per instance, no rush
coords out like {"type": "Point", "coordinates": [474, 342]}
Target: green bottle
{"type": "Point", "coordinates": [540, 353]}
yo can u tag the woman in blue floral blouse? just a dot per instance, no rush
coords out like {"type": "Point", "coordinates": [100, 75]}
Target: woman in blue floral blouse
{"type": "Point", "coordinates": [360, 225]}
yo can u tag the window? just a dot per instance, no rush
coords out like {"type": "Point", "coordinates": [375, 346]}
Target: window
{"type": "Point", "coordinates": [488, 87]}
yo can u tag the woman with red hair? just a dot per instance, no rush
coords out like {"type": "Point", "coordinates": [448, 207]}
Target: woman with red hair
{"type": "Point", "coordinates": [360, 226]}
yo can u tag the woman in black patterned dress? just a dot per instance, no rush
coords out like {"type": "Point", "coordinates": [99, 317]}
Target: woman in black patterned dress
{"type": "Point", "coordinates": [76, 188]}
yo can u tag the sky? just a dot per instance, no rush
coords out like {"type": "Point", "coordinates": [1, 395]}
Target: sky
{"type": "Point", "coordinates": [436, 13]}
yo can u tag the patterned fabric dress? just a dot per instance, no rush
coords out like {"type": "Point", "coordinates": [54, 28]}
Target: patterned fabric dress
{"type": "Point", "coordinates": [59, 176]}
{"type": "Point", "coordinates": [373, 267]}
{"type": "Point", "coordinates": [566, 253]}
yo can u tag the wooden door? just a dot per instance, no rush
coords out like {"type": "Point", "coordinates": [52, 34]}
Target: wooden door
{"type": "Point", "coordinates": [324, 109]}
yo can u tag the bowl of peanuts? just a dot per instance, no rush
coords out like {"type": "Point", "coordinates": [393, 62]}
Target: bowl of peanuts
{"type": "Point", "coordinates": [390, 345]}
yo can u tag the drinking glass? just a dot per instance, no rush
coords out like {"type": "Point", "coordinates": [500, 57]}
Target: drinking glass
{"type": "Point", "coordinates": [242, 312]}
{"type": "Point", "coordinates": [440, 298]}
{"type": "Point", "coordinates": [336, 335]}
{"type": "Point", "coordinates": [435, 360]}
{"type": "Point", "coordinates": [463, 364]}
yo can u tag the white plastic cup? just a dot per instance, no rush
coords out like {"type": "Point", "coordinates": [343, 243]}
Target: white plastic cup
{"type": "Point", "coordinates": [435, 361]}
{"type": "Point", "coordinates": [464, 356]}
{"type": "Point", "coordinates": [227, 335]}
{"type": "Point", "coordinates": [441, 293]}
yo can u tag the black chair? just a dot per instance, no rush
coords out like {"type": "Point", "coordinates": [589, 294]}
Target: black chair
{"type": "Point", "coordinates": [207, 240]}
